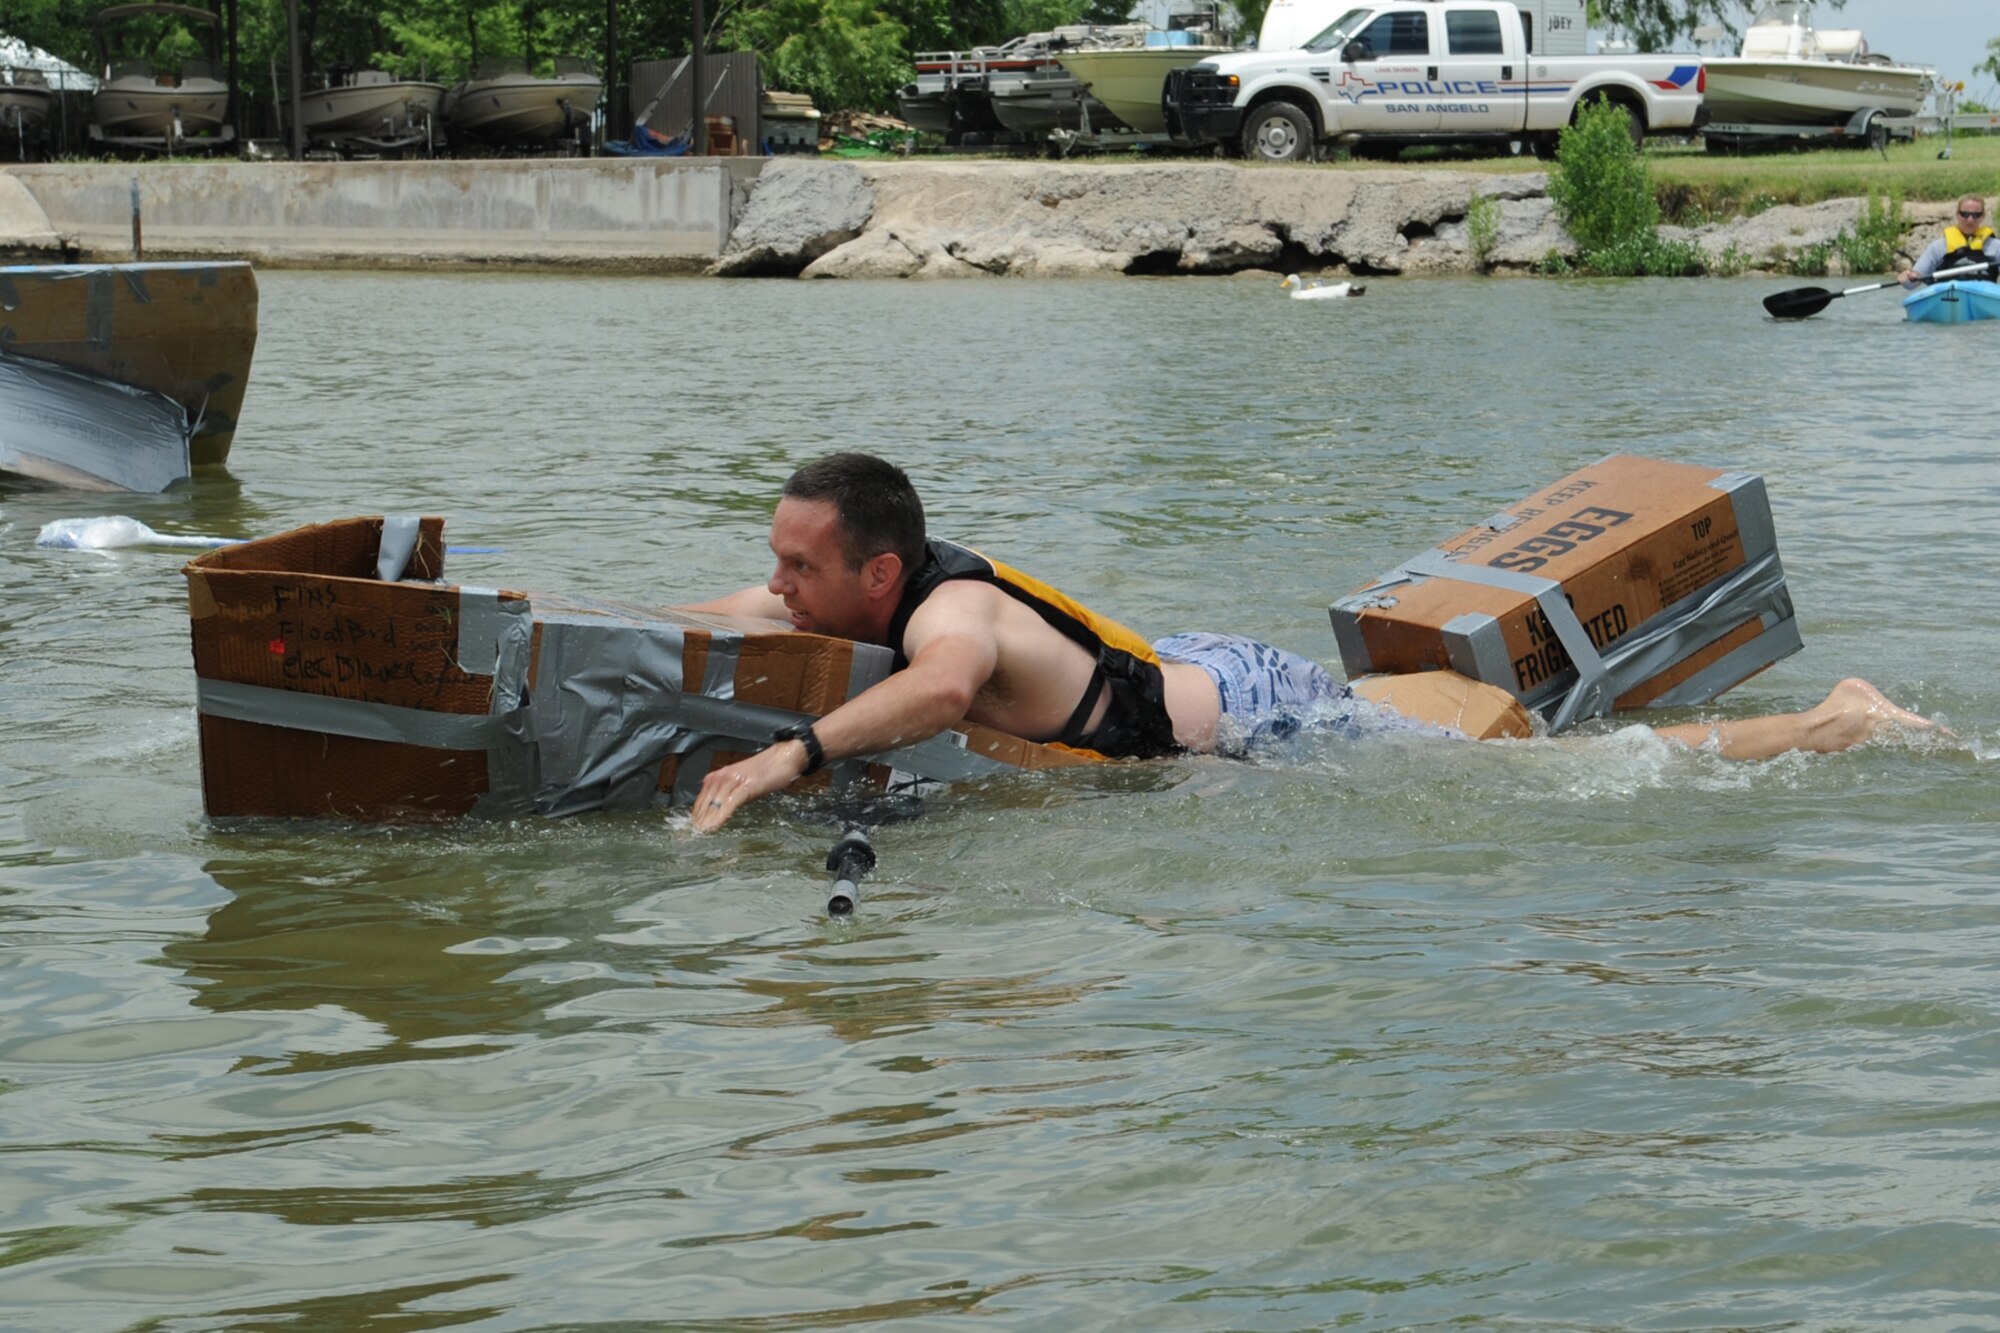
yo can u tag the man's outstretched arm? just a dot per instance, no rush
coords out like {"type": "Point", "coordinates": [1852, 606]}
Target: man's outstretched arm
{"type": "Point", "coordinates": [761, 603]}
{"type": "Point", "coordinates": [934, 692]}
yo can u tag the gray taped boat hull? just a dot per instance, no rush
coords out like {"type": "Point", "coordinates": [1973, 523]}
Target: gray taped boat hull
{"type": "Point", "coordinates": [63, 426]}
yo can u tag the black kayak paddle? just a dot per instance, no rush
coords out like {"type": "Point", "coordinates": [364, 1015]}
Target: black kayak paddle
{"type": "Point", "coordinates": [1804, 302]}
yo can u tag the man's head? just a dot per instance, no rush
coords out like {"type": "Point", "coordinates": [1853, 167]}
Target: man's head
{"type": "Point", "coordinates": [878, 507]}
{"type": "Point", "coordinates": [1971, 212]}
{"type": "Point", "coordinates": [847, 529]}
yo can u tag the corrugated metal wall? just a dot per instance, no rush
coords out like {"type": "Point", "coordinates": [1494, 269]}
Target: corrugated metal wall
{"type": "Point", "coordinates": [733, 90]}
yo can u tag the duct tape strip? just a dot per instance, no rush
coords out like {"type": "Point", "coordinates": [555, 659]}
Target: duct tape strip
{"type": "Point", "coordinates": [399, 542]}
{"type": "Point", "coordinates": [1592, 695]}
{"type": "Point", "coordinates": [611, 707]}
{"type": "Point", "coordinates": [1752, 508]}
{"type": "Point", "coordinates": [1755, 590]}
{"type": "Point", "coordinates": [1739, 664]}
{"type": "Point", "coordinates": [607, 705]}
{"type": "Point", "coordinates": [100, 300]}
{"type": "Point", "coordinates": [697, 750]}
{"type": "Point", "coordinates": [496, 637]}
{"type": "Point", "coordinates": [353, 717]}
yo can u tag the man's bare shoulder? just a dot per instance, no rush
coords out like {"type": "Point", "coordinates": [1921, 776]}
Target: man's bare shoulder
{"type": "Point", "coordinates": [957, 605]}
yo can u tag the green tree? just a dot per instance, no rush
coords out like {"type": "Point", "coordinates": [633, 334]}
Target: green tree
{"type": "Point", "coordinates": [1654, 25]}
{"type": "Point", "coordinates": [1991, 65]}
{"type": "Point", "coordinates": [845, 53]}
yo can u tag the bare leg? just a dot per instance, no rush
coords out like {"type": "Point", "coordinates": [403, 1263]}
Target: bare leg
{"type": "Point", "coordinates": [1855, 712]}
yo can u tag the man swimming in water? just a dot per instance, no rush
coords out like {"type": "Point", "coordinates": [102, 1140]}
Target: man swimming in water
{"type": "Point", "coordinates": [977, 641]}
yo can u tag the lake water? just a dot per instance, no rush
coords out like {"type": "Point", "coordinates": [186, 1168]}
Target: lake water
{"type": "Point", "coordinates": [1401, 1034]}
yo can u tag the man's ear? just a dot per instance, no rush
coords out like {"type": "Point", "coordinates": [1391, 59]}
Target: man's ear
{"type": "Point", "coordinates": [881, 574]}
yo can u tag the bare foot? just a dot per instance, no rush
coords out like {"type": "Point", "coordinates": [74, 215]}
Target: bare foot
{"type": "Point", "coordinates": [1866, 713]}
{"type": "Point", "coordinates": [1853, 713]}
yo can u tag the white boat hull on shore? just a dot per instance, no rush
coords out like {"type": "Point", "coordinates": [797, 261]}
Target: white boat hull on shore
{"type": "Point", "coordinates": [385, 111]}
{"type": "Point", "coordinates": [522, 108]}
{"type": "Point", "coordinates": [1809, 92]}
{"type": "Point", "coordinates": [1129, 82]}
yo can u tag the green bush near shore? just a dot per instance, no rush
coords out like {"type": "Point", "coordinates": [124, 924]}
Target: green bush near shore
{"type": "Point", "coordinates": [1603, 189]}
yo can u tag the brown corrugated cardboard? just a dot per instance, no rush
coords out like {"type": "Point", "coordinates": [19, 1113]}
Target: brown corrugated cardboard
{"type": "Point", "coordinates": [325, 691]}
{"type": "Point", "coordinates": [1662, 578]}
{"type": "Point", "coordinates": [1446, 699]}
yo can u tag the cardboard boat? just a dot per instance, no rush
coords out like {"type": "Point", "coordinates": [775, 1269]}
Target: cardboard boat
{"type": "Point", "coordinates": [185, 330]}
{"type": "Point", "coordinates": [1629, 583]}
{"type": "Point", "coordinates": [338, 675]}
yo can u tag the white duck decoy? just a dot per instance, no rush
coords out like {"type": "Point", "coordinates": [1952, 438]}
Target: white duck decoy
{"type": "Point", "coordinates": [1317, 289]}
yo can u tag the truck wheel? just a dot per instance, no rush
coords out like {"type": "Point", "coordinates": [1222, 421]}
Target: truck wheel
{"type": "Point", "coordinates": [1277, 132]}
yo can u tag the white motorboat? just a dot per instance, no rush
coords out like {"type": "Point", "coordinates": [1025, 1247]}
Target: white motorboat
{"type": "Point", "coordinates": [1789, 73]}
{"type": "Point", "coordinates": [372, 111]}
{"type": "Point", "coordinates": [1045, 97]}
{"type": "Point", "coordinates": [149, 102]}
{"type": "Point", "coordinates": [1128, 77]}
{"type": "Point", "coordinates": [25, 98]}
{"type": "Point", "coordinates": [503, 104]}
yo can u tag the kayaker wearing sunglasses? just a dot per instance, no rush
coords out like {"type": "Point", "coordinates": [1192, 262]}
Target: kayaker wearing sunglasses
{"type": "Point", "coordinates": [1968, 240]}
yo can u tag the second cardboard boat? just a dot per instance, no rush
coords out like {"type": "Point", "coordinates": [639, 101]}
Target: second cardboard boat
{"type": "Point", "coordinates": [1630, 583]}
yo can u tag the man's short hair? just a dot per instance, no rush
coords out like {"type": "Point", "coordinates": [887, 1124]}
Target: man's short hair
{"type": "Point", "coordinates": [878, 507]}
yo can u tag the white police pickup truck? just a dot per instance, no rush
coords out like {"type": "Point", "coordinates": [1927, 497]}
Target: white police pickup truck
{"type": "Point", "coordinates": [1381, 77]}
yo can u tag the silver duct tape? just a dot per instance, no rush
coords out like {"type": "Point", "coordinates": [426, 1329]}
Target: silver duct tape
{"type": "Point", "coordinates": [1752, 507]}
{"type": "Point", "coordinates": [494, 634]}
{"type": "Point", "coordinates": [78, 429]}
{"type": "Point", "coordinates": [608, 709]}
{"type": "Point", "coordinates": [359, 719]}
{"type": "Point", "coordinates": [496, 637]}
{"type": "Point", "coordinates": [1739, 664]}
{"type": "Point", "coordinates": [399, 542]}
{"type": "Point", "coordinates": [870, 666]}
{"type": "Point", "coordinates": [1592, 695]}
{"type": "Point", "coordinates": [100, 300]}
{"type": "Point", "coordinates": [1476, 647]}
{"type": "Point", "coordinates": [1756, 591]}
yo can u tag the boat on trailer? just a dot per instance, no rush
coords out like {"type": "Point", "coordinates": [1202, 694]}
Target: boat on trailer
{"type": "Point", "coordinates": [149, 101]}
{"type": "Point", "coordinates": [25, 98]}
{"type": "Point", "coordinates": [1792, 80]}
{"type": "Point", "coordinates": [504, 105]}
{"type": "Point", "coordinates": [371, 112]}
{"type": "Point", "coordinates": [1954, 301]}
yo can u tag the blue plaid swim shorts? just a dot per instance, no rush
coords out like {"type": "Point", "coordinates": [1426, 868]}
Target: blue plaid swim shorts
{"type": "Point", "coordinates": [1267, 693]}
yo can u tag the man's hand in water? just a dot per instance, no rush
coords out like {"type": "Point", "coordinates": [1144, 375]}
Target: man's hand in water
{"type": "Point", "coordinates": [726, 790]}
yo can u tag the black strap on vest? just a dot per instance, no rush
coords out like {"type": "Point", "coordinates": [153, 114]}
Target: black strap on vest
{"type": "Point", "coordinates": [1072, 733]}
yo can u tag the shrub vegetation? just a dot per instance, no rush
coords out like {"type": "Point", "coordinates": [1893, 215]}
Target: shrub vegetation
{"type": "Point", "coordinates": [1604, 194]}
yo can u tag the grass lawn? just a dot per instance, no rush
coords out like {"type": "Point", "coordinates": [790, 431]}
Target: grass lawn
{"type": "Point", "coordinates": [1695, 186]}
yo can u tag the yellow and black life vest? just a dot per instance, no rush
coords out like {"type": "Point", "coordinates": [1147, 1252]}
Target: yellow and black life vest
{"type": "Point", "coordinates": [1136, 725]}
{"type": "Point", "coordinates": [1961, 249]}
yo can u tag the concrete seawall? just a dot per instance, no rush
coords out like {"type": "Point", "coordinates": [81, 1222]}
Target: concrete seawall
{"type": "Point", "coordinates": [650, 214]}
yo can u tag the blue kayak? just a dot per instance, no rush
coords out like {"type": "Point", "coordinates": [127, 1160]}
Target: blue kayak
{"type": "Point", "coordinates": [1953, 302]}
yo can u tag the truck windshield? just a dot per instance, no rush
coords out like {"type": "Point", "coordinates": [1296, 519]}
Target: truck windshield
{"type": "Point", "coordinates": [1344, 28]}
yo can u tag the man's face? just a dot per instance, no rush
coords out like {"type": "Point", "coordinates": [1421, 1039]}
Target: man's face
{"type": "Point", "coordinates": [822, 594]}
